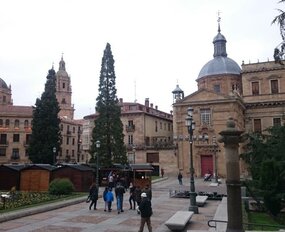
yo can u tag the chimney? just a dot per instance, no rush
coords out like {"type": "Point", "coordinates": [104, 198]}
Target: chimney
{"type": "Point", "coordinates": [151, 105]}
{"type": "Point", "coordinates": [146, 102]}
{"type": "Point", "coordinates": [121, 100]}
{"type": "Point", "coordinates": [156, 107]}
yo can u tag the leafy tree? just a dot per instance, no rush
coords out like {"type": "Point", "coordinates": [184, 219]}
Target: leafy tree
{"type": "Point", "coordinates": [266, 159]}
{"type": "Point", "coordinates": [108, 125]}
{"type": "Point", "coordinates": [45, 124]}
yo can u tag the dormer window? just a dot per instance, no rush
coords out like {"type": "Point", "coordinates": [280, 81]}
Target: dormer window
{"type": "Point", "coordinates": [217, 88]}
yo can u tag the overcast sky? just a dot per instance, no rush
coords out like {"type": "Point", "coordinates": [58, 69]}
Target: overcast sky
{"type": "Point", "coordinates": [155, 43]}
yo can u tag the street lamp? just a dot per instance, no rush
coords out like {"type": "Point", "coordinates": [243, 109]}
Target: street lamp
{"type": "Point", "coordinates": [134, 153]}
{"type": "Point", "coordinates": [54, 151]}
{"type": "Point", "coordinates": [97, 164]}
{"type": "Point", "coordinates": [189, 121]}
{"type": "Point", "coordinates": [215, 158]}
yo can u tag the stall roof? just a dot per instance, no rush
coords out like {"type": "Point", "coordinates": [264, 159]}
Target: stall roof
{"type": "Point", "coordinates": [141, 167]}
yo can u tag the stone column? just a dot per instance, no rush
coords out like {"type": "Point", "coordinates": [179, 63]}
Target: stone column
{"type": "Point", "coordinates": [231, 138]}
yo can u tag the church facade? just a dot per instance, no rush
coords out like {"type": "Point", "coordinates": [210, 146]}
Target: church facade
{"type": "Point", "coordinates": [253, 95]}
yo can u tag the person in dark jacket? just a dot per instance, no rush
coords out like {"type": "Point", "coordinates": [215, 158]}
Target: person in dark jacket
{"type": "Point", "coordinates": [93, 195]}
{"type": "Point", "coordinates": [132, 199]}
{"type": "Point", "coordinates": [138, 193]}
{"type": "Point", "coordinates": [145, 210]}
{"type": "Point", "coordinates": [148, 191]}
{"type": "Point", "coordinates": [119, 193]}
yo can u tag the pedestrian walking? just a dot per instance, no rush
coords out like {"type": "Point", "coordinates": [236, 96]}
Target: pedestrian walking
{"type": "Point", "coordinates": [132, 199]}
{"type": "Point", "coordinates": [138, 193]}
{"type": "Point", "coordinates": [162, 172]}
{"type": "Point", "coordinates": [145, 210]}
{"type": "Point", "coordinates": [105, 199]}
{"type": "Point", "coordinates": [119, 193]}
{"type": "Point", "coordinates": [93, 195]}
{"type": "Point", "coordinates": [179, 177]}
{"type": "Point", "coordinates": [148, 191]}
{"type": "Point", "coordinates": [110, 199]}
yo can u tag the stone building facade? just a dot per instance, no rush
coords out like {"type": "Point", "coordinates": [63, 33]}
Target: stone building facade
{"type": "Point", "coordinates": [15, 124]}
{"type": "Point", "coordinates": [253, 95]}
{"type": "Point", "coordinates": [148, 135]}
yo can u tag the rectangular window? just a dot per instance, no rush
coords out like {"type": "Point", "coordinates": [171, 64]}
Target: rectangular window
{"type": "Point", "coordinates": [72, 153]}
{"type": "Point", "coordinates": [274, 86]}
{"type": "Point", "coordinates": [205, 116]}
{"type": "Point", "coordinates": [15, 154]}
{"type": "Point", "coordinates": [73, 141]}
{"type": "Point", "coordinates": [67, 140]}
{"type": "Point", "coordinates": [255, 88]}
{"type": "Point", "coordinates": [155, 126]}
{"type": "Point", "coordinates": [28, 138]}
{"type": "Point", "coordinates": [2, 151]}
{"type": "Point", "coordinates": [257, 125]}
{"type": "Point", "coordinates": [276, 121]}
{"type": "Point", "coordinates": [16, 138]}
{"type": "Point", "coordinates": [130, 139]}
{"type": "Point", "coordinates": [217, 88]}
{"type": "Point", "coordinates": [3, 139]}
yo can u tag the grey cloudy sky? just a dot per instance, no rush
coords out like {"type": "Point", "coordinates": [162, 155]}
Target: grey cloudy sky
{"type": "Point", "coordinates": [155, 43]}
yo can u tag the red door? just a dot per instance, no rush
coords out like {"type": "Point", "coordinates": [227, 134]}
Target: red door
{"type": "Point", "coordinates": [206, 164]}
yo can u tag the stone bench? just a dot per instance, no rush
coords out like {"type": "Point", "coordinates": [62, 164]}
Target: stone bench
{"type": "Point", "coordinates": [178, 221]}
{"type": "Point", "coordinates": [201, 200]}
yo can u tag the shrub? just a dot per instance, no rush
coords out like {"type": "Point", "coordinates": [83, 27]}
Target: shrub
{"type": "Point", "coordinates": [61, 187]}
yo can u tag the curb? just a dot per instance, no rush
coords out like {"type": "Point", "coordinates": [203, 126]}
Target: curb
{"type": "Point", "coordinates": [39, 209]}
{"type": "Point", "coordinates": [47, 207]}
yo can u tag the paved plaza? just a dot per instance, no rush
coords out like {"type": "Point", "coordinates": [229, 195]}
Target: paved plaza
{"type": "Point", "coordinates": [78, 218]}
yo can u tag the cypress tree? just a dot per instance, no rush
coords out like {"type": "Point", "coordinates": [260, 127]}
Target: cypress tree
{"type": "Point", "coordinates": [108, 125]}
{"type": "Point", "coordinates": [45, 124]}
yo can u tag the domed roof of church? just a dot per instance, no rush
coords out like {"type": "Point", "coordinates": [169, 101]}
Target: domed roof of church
{"type": "Point", "coordinates": [3, 84]}
{"type": "Point", "coordinates": [221, 64]}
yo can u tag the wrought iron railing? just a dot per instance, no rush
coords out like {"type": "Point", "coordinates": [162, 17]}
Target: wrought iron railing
{"type": "Point", "coordinates": [248, 226]}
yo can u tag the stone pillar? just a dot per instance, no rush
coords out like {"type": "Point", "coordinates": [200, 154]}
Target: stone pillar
{"type": "Point", "coordinates": [231, 138]}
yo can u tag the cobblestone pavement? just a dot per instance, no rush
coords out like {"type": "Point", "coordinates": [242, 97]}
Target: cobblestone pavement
{"type": "Point", "coordinates": [78, 218]}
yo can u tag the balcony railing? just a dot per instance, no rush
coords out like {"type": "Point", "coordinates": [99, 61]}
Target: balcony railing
{"type": "Point", "coordinates": [130, 128]}
{"type": "Point", "coordinates": [4, 143]}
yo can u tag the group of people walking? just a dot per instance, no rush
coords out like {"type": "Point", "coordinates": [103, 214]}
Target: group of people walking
{"type": "Point", "coordinates": [139, 199]}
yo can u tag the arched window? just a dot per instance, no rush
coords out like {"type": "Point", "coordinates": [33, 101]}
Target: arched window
{"type": "Point", "coordinates": [7, 123]}
{"type": "Point", "coordinates": [17, 123]}
{"type": "Point", "coordinates": [26, 124]}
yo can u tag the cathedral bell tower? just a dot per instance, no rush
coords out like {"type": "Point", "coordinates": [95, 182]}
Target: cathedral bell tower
{"type": "Point", "coordinates": [64, 92]}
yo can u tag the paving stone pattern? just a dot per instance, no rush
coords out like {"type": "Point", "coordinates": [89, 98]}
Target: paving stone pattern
{"type": "Point", "coordinates": [78, 218]}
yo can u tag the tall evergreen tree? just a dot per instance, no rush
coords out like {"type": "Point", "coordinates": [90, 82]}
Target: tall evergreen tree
{"type": "Point", "coordinates": [45, 124]}
{"type": "Point", "coordinates": [108, 125]}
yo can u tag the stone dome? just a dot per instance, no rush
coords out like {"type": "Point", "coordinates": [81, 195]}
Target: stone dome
{"type": "Point", "coordinates": [221, 64]}
{"type": "Point", "coordinates": [3, 84]}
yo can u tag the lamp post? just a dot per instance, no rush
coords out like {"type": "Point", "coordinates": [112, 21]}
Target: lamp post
{"type": "Point", "coordinates": [189, 121]}
{"type": "Point", "coordinates": [54, 151]}
{"type": "Point", "coordinates": [97, 164]}
{"type": "Point", "coordinates": [134, 153]}
{"type": "Point", "coordinates": [215, 158]}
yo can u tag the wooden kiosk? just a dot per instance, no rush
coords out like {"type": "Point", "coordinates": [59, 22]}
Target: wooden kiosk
{"type": "Point", "coordinates": [141, 174]}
